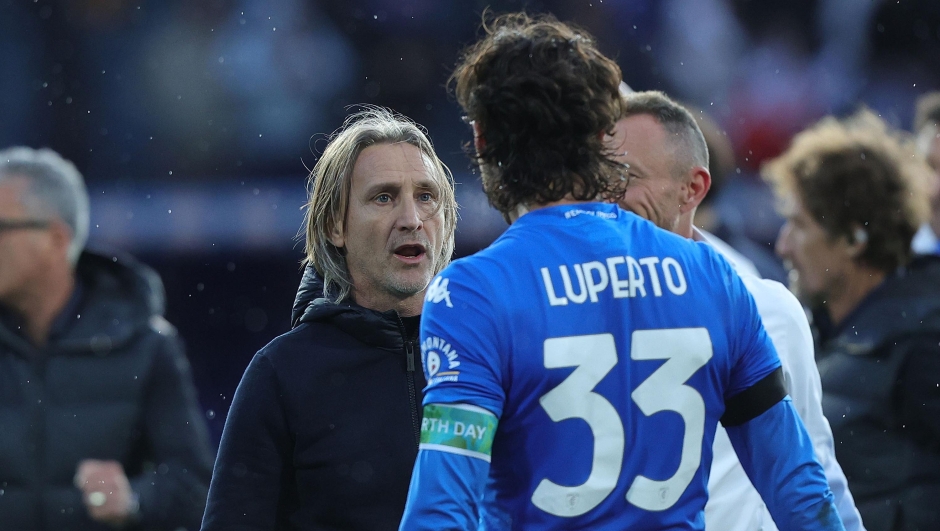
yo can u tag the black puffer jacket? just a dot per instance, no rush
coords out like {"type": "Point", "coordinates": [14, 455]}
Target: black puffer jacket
{"type": "Point", "coordinates": [323, 429]}
{"type": "Point", "coordinates": [112, 383]}
{"type": "Point", "coordinates": [881, 393]}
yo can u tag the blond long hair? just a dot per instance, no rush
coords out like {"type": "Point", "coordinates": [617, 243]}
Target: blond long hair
{"type": "Point", "coordinates": [329, 185]}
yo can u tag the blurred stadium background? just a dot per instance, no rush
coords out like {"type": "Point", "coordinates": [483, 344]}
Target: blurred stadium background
{"type": "Point", "coordinates": [194, 121]}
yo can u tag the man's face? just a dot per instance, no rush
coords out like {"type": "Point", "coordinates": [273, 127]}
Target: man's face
{"type": "Point", "coordinates": [394, 229]}
{"type": "Point", "coordinates": [816, 262]}
{"type": "Point", "coordinates": [26, 254]}
{"type": "Point", "coordinates": [653, 192]}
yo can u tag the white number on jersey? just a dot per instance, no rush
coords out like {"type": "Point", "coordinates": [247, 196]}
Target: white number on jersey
{"type": "Point", "coordinates": [685, 350]}
{"type": "Point", "coordinates": [594, 356]}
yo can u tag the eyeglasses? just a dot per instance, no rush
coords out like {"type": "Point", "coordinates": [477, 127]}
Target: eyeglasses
{"type": "Point", "coordinates": [18, 224]}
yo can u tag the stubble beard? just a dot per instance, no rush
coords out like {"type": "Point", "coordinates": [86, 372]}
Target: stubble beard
{"type": "Point", "coordinates": [402, 286]}
{"type": "Point", "coordinates": [819, 299]}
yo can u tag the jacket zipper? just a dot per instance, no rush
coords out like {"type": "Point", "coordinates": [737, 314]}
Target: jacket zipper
{"type": "Point", "coordinates": [412, 394]}
{"type": "Point", "coordinates": [38, 367]}
{"type": "Point", "coordinates": [410, 374]}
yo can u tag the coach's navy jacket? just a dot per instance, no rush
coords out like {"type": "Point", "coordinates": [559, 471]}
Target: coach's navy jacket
{"type": "Point", "coordinates": [881, 392]}
{"type": "Point", "coordinates": [323, 429]}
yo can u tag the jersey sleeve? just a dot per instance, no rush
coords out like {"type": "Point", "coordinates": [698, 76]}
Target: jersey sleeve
{"type": "Point", "coordinates": [777, 455]}
{"type": "Point", "coordinates": [753, 353]}
{"type": "Point", "coordinates": [788, 328]}
{"type": "Point", "coordinates": [445, 491]}
{"type": "Point", "coordinates": [460, 350]}
{"type": "Point", "coordinates": [460, 344]}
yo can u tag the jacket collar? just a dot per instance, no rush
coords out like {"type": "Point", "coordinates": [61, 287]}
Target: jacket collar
{"type": "Point", "coordinates": [379, 329]}
{"type": "Point", "coordinates": [116, 298]}
{"type": "Point", "coordinates": [907, 302]}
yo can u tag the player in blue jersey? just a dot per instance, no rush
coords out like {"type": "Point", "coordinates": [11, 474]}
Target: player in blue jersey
{"type": "Point", "coordinates": [578, 366]}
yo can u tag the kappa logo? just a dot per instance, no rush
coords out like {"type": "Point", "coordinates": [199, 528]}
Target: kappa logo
{"type": "Point", "coordinates": [437, 292]}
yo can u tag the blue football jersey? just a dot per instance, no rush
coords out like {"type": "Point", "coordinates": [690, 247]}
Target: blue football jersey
{"type": "Point", "coordinates": [605, 348]}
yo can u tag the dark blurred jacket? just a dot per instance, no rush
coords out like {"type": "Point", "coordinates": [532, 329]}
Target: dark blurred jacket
{"type": "Point", "coordinates": [881, 393]}
{"type": "Point", "coordinates": [112, 383]}
{"type": "Point", "coordinates": [323, 430]}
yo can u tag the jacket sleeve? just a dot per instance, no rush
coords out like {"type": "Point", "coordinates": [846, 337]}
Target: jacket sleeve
{"type": "Point", "coordinates": [778, 457]}
{"type": "Point", "coordinates": [173, 494]}
{"type": "Point", "coordinates": [920, 385]}
{"type": "Point", "coordinates": [254, 455]}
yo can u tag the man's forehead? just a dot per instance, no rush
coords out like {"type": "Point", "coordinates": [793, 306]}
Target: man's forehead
{"type": "Point", "coordinates": [791, 205]}
{"type": "Point", "coordinates": [788, 204]}
{"type": "Point", "coordinates": [642, 129]}
{"type": "Point", "coordinates": [392, 163]}
{"type": "Point", "coordinates": [11, 194]}
{"type": "Point", "coordinates": [640, 139]}
{"type": "Point", "coordinates": [12, 185]}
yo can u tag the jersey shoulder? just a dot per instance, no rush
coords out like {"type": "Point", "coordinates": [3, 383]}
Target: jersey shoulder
{"type": "Point", "coordinates": [785, 321]}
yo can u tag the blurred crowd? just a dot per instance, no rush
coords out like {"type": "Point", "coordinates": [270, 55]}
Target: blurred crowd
{"type": "Point", "coordinates": [179, 93]}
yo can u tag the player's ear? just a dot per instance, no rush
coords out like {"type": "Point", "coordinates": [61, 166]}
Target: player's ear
{"type": "Point", "coordinates": [858, 242]}
{"type": "Point", "coordinates": [336, 235]}
{"type": "Point", "coordinates": [61, 237]}
{"type": "Point", "coordinates": [697, 187]}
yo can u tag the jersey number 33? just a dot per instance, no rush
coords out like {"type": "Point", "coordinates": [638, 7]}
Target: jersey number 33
{"type": "Point", "coordinates": [686, 350]}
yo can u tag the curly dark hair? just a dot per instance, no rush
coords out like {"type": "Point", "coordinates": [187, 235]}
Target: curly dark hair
{"type": "Point", "coordinates": [857, 174]}
{"type": "Point", "coordinates": [542, 93]}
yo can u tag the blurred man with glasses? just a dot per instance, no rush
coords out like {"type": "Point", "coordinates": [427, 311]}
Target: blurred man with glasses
{"type": "Point", "coordinates": [99, 422]}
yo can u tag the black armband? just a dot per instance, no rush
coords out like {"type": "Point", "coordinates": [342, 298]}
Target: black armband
{"type": "Point", "coordinates": [754, 400]}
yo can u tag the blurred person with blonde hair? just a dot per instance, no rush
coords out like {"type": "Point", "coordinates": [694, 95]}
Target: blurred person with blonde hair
{"type": "Point", "coordinates": [323, 429]}
{"type": "Point", "coordinates": [853, 192]}
{"type": "Point", "coordinates": [99, 419]}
